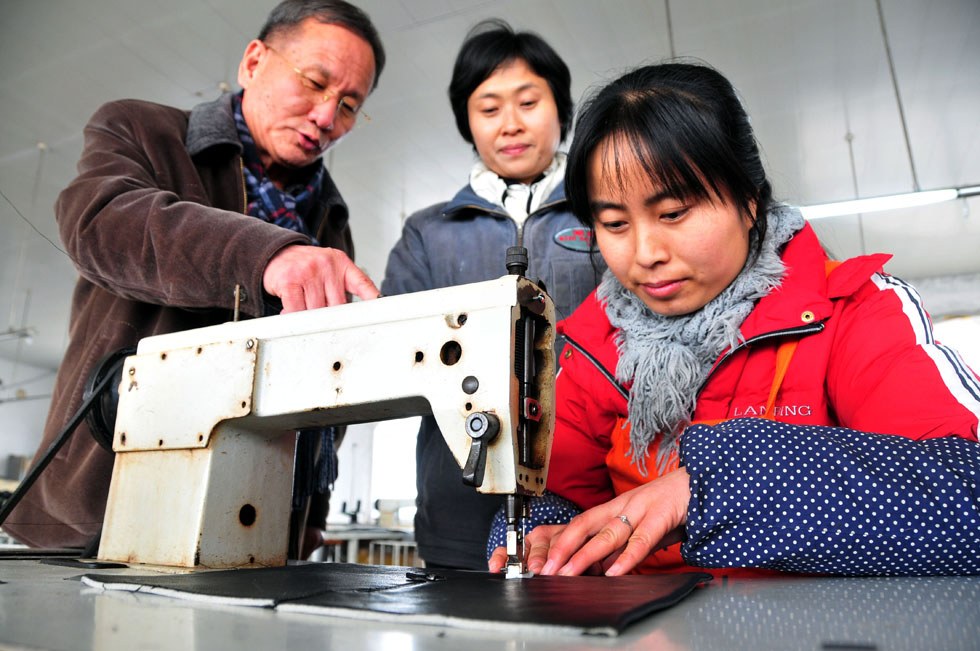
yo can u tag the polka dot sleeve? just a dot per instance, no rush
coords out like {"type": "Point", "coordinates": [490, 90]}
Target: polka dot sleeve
{"type": "Point", "coordinates": [831, 500]}
{"type": "Point", "coordinates": [547, 509]}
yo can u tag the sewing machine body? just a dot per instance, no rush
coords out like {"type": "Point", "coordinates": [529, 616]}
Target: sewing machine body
{"type": "Point", "coordinates": [203, 436]}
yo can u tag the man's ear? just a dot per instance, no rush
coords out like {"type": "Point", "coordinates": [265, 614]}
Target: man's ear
{"type": "Point", "coordinates": [250, 62]}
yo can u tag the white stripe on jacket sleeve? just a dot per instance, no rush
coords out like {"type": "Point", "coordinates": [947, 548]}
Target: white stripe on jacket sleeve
{"type": "Point", "coordinates": [961, 382]}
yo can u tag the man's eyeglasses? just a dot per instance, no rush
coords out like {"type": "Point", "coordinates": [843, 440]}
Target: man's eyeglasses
{"type": "Point", "coordinates": [348, 109]}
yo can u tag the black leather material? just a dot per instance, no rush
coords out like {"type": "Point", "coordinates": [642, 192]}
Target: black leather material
{"type": "Point", "coordinates": [603, 605]}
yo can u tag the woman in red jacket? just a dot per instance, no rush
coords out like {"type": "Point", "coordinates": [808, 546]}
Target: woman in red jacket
{"type": "Point", "coordinates": [721, 385]}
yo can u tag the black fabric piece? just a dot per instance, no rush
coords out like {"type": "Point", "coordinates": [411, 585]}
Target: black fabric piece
{"type": "Point", "coordinates": [84, 563]}
{"type": "Point", "coordinates": [585, 604]}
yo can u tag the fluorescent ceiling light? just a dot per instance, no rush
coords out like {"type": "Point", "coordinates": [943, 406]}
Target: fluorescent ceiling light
{"type": "Point", "coordinates": [874, 204]}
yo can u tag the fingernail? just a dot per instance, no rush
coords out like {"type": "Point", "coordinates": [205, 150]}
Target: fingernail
{"type": "Point", "coordinates": [549, 568]}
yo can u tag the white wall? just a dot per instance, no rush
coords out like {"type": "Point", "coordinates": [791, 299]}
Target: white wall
{"type": "Point", "coordinates": [24, 398]}
{"type": "Point", "coordinates": [963, 334]}
{"type": "Point", "coordinates": [377, 461]}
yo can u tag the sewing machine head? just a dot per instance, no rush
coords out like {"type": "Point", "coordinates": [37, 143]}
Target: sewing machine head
{"type": "Point", "coordinates": [203, 468]}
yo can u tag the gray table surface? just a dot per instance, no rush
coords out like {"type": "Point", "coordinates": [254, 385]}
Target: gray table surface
{"type": "Point", "coordinates": [46, 607]}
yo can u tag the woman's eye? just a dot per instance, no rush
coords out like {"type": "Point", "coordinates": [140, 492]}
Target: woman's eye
{"type": "Point", "coordinates": [613, 225]}
{"type": "Point", "coordinates": [674, 215]}
{"type": "Point", "coordinates": [489, 110]}
{"type": "Point", "coordinates": [529, 103]}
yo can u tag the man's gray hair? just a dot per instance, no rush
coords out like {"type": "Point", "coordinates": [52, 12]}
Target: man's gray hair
{"type": "Point", "coordinates": [290, 13]}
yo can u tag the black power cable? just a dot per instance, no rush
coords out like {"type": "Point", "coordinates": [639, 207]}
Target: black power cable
{"type": "Point", "coordinates": [94, 395]}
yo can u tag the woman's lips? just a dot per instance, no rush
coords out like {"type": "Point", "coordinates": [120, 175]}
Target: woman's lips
{"type": "Point", "coordinates": [514, 150]}
{"type": "Point", "coordinates": [663, 290]}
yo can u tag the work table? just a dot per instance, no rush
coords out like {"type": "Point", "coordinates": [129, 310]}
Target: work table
{"type": "Point", "coordinates": [45, 606]}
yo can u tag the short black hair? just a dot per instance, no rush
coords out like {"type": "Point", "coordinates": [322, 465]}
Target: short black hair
{"type": "Point", "coordinates": [685, 125]}
{"type": "Point", "coordinates": [487, 46]}
{"type": "Point", "coordinates": [290, 13]}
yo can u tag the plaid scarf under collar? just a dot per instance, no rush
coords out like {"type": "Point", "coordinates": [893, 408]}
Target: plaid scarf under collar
{"type": "Point", "coordinates": [289, 207]}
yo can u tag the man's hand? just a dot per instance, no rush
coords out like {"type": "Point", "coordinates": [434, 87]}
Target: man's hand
{"type": "Point", "coordinates": [308, 277]}
{"type": "Point", "coordinates": [602, 541]}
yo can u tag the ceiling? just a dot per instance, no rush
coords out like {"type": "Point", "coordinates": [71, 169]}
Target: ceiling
{"type": "Point", "coordinates": [810, 71]}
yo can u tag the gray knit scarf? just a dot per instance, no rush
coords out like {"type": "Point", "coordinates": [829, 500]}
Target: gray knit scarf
{"type": "Point", "coordinates": [668, 358]}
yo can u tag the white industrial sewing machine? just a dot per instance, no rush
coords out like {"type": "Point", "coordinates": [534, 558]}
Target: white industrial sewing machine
{"type": "Point", "coordinates": [204, 452]}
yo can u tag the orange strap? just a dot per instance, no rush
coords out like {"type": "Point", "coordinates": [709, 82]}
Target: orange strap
{"type": "Point", "coordinates": [784, 355]}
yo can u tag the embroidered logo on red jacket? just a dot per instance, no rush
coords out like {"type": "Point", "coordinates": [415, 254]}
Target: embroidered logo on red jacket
{"type": "Point", "coordinates": [753, 411]}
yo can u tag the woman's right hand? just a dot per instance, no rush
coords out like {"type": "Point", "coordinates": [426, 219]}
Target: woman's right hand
{"type": "Point", "coordinates": [537, 544]}
{"type": "Point", "coordinates": [614, 537]}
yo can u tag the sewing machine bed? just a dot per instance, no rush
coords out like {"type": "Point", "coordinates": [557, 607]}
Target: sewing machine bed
{"type": "Point", "coordinates": [476, 600]}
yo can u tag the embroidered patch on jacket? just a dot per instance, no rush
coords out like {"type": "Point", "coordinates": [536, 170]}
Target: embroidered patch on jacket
{"type": "Point", "coordinates": [574, 239]}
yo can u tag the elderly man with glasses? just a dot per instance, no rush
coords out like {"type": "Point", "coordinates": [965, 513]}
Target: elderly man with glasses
{"type": "Point", "coordinates": [180, 219]}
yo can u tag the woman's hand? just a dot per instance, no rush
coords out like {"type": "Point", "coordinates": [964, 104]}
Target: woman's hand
{"type": "Point", "coordinates": [536, 546]}
{"type": "Point", "coordinates": [614, 537]}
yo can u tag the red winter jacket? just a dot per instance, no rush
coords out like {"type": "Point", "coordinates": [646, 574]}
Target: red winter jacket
{"type": "Point", "coordinates": [865, 360]}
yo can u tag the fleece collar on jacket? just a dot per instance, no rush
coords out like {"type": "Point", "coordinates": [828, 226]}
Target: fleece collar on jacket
{"type": "Point", "coordinates": [212, 124]}
{"type": "Point", "coordinates": [466, 199]}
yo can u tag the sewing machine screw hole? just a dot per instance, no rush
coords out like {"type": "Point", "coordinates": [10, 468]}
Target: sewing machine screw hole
{"type": "Point", "coordinates": [336, 366]}
{"type": "Point", "coordinates": [199, 350]}
{"type": "Point", "coordinates": [122, 438]}
{"type": "Point", "coordinates": [246, 515]}
{"type": "Point", "coordinates": [470, 385]}
{"type": "Point", "coordinates": [450, 353]}
{"type": "Point", "coordinates": [461, 319]}
{"type": "Point", "coordinates": [469, 406]}
{"type": "Point", "coordinates": [419, 356]}
{"type": "Point", "coordinates": [163, 356]}
{"type": "Point", "coordinates": [160, 443]}
{"type": "Point", "coordinates": [200, 437]}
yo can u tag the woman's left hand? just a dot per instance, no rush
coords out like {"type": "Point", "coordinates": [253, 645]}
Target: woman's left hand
{"type": "Point", "coordinates": [621, 533]}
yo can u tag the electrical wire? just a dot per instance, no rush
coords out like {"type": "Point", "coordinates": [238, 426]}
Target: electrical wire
{"type": "Point", "coordinates": [63, 436]}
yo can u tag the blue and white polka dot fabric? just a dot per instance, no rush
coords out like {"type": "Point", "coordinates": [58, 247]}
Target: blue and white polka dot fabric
{"type": "Point", "coordinates": [831, 500]}
{"type": "Point", "coordinates": [547, 509]}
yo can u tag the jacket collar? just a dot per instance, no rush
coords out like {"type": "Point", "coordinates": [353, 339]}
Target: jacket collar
{"type": "Point", "coordinates": [466, 199]}
{"type": "Point", "coordinates": [805, 294]}
{"type": "Point", "coordinates": [212, 124]}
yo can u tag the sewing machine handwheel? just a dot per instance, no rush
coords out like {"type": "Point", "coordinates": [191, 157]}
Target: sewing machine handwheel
{"type": "Point", "coordinates": [101, 420]}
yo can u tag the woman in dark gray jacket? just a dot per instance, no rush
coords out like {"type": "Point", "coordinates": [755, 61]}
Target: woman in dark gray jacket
{"type": "Point", "coordinates": [511, 95]}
